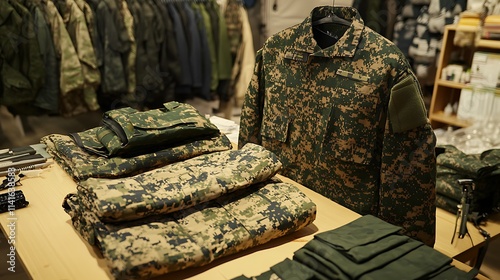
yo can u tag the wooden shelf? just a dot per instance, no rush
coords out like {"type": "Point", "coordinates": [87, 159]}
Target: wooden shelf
{"type": "Point", "coordinates": [446, 92]}
{"type": "Point", "coordinates": [451, 84]}
{"type": "Point", "coordinates": [490, 44]}
{"type": "Point", "coordinates": [441, 117]}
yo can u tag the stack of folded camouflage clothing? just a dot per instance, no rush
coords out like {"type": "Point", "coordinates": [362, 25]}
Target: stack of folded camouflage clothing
{"type": "Point", "coordinates": [483, 169]}
{"type": "Point", "coordinates": [131, 142]}
{"type": "Point", "coordinates": [188, 213]}
{"type": "Point", "coordinates": [367, 248]}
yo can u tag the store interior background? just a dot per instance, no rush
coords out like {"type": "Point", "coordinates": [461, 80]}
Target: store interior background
{"type": "Point", "coordinates": [21, 131]}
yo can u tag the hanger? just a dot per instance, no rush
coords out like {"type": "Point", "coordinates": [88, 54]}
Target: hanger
{"type": "Point", "coordinates": [332, 18]}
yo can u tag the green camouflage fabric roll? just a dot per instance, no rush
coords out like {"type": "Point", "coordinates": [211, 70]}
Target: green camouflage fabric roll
{"type": "Point", "coordinates": [179, 185]}
{"type": "Point", "coordinates": [127, 132]}
{"type": "Point", "coordinates": [347, 120]}
{"type": "Point", "coordinates": [483, 169]}
{"type": "Point", "coordinates": [81, 165]}
{"type": "Point", "coordinates": [198, 235]}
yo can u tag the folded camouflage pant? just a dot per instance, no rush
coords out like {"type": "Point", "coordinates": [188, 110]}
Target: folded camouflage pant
{"type": "Point", "coordinates": [179, 185]}
{"type": "Point", "coordinates": [127, 132]}
{"type": "Point", "coordinates": [82, 165]}
{"type": "Point", "coordinates": [198, 235]}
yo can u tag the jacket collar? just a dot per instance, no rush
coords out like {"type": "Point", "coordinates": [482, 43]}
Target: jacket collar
{"type": "Point", "coordinates": [344, 47]}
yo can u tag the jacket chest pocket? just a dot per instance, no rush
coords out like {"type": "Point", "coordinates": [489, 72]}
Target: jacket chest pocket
{"type": "Point", "coordinates": [353, 123]}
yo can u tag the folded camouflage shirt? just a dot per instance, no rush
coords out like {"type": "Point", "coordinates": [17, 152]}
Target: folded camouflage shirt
{"type": "Point", "coordinates": [179, 185]}
{"type": "Point", "coordinates": [198, 235]}
{"type": "Point", "coordinates": [81, 165]}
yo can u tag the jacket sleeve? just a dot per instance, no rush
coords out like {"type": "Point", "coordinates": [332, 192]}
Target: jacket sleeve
{"type": "Point", "coordinates": [408, 163]}
{"type": "Point", "coordinates": [253, 104]}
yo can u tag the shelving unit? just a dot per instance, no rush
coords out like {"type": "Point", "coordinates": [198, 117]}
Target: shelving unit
{"type": "Point", "coordinates": [445, 91]}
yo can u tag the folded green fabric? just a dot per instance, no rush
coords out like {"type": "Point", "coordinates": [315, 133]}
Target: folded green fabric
{"type": "Point", "coordinates": [81, 165]}
{"type": "Point", "coordinates": [365, 252]}
{"type": "Point", "coordinates": [354, 270]}
{"type": "Point", "coordinates": [415, 265]}
{"type": "Point", "coordinates": [198, 235]}
{"type": "Point", "coordinates": [323, 267]}
{"type": "Point", "coordinates": [410, 260]}
{"type": "Point", "coordinates": [364, 230]}
{"type": "Point", "coordinates": [289, 269]}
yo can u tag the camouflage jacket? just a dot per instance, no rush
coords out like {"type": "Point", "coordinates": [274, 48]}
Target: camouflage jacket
{"type": "Point", "coordinates": [116, 44]}
{"type": "Point", "coordinates": [128, 132]}
{"type": "Point", "coordinates": [21, 65]}
{"type": "Point", "coordinates": [76, 25]}
{"type": "Point", "coordinates": [81, 165]}
{"type": "Point", "coordinates": [198, 235]}
{"type": "Point", "coordinates": [347, 121]}
{"type": "Point", "coordinates": [71, 79]}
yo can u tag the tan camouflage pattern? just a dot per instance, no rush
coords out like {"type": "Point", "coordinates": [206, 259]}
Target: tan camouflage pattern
{"type": "Point", "coordinates": [81, 165]}
{"type": "Point", "coordinates": [128, 21]}
{"type": "Point", "coordinates": [76, 25]}
{"type": "Point", "coordinates": [129, 132]}
{"type": "Point", "coordinates": [325, 114]}
{"type": "Point", "coordinates": [179, 185]}
{"type": "Point", "coordinates": [71, 77]}
{"type": "Point", "coordinates": [198, 235]}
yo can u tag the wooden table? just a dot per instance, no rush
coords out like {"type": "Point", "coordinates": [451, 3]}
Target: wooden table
{"type": "Point", "coordinates": [50, 248]}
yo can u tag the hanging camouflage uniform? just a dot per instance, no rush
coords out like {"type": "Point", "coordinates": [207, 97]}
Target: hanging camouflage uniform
{"type": "Point", "coordinates": [21, 65]}
{"type": "Point", "coordinates": [76, 25]}
{"type": "Point", "coordinates": [347, 120]}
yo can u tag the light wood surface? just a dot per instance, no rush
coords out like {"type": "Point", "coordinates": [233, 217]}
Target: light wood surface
{"type": "Point", "coordinates": [50, 248]}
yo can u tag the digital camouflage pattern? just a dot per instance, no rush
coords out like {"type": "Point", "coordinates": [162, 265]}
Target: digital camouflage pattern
{"type": "Point", "coordinates": [21, 65]}
{"type": "Point", "coordinates": [198, 235]}
{"type": "Point", "coordinates": [71, 79]}
{"type": "Point", "coordinates": [179, 185]}
{"type": "Point", "coordinates": [76, 25]}
{"type": "Point", "coordinates": [81, 165]}
{"type": "Point", "coordinates": [347, 121]}
{"type": "Point", "coordinates": [128, 132]}
{"type": "Point", "coordinates": [483, 169]}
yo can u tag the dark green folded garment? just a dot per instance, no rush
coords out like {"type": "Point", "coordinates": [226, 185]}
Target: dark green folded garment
{"type": "Point", "coordinates": [323, 267]}
{"type": "Point", "coordinates": [364, 230]}
{"type": "Point", "coordinates": [287, 269]}
{"type": "Point", "coordinates": [363, 253]}
{"type": "Point", "coordinates": [417, 264]}
{"type": "Point", "coordinates": [354, 270]}
{"type": "Point", "coordinates": [448, 272]}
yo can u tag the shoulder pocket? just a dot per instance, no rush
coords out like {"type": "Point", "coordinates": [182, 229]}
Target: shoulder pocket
{"type": "Point", "coordinates": [406, 106]}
